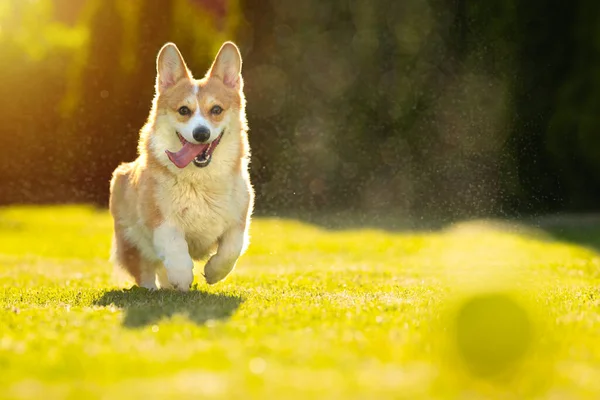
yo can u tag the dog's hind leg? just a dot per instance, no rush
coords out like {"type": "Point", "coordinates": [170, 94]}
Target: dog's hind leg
{"type": "Point", "coordinates": [162, 278]}
{"type": "Point", "coordinates": [128, 257]}
{"type": "Point", "coordinates": [147, 275]}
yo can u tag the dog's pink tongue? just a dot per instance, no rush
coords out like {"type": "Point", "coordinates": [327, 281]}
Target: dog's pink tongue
{"type": "Point", "coordinates": [188, 152]}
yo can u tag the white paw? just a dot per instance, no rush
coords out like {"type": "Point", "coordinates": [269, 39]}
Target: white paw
{"type": "Point", "coordinates": [180, 278]}
{"type": "Point", "coordinates": [180, 274]}
{"type": "Point", "coordinates": [215, 271]}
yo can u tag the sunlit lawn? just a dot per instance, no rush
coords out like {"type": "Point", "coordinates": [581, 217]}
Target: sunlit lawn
{"type": "Point", "coordinates": [308, 313]}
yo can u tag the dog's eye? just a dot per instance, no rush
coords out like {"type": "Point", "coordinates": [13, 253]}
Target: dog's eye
{"type": "Point", "coordinates": [216, 110]}
{"type": "Point", "coordinates": [184, 110]}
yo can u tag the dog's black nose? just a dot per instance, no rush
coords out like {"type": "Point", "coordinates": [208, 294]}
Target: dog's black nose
{"type": "Point", "coordinates": [201, 134]}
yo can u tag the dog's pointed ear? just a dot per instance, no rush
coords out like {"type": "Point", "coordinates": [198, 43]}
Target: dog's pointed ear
{"type": "Point", "coordinates": [170, 67]}
{"type": "Point", "coordinates": [228, 66]}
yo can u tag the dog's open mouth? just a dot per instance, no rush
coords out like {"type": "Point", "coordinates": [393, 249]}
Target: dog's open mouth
{"type": "Point", "coordinates": [200, 154]}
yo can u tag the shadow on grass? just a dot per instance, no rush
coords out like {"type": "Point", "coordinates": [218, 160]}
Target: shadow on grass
{"type": "Point", "coordinates": [143, 307]}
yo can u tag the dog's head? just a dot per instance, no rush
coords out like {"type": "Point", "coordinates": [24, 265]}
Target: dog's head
{"type": "Point", "coordinates": [193, 117]}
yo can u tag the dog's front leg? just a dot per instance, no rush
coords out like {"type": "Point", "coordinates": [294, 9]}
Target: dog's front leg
{"type": "Point", "coordinates": [231, 246]}
{"type": "Point", "coordinates": [172, 249]}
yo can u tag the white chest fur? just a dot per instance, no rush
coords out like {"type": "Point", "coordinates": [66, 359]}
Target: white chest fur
{"type": "Point", "coordinates": [202, 210]}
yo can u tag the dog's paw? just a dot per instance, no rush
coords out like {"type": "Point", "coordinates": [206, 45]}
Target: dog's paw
{"type": "Point", "coordinates": [180, 272]}
{"type": "Point", "coordinates": [180, 278]}
{"type": "Point", "coordinates": [215, 272]}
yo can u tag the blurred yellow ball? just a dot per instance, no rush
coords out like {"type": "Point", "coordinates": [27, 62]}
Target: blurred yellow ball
{"type": "Point", "coordinates": [493, 332]}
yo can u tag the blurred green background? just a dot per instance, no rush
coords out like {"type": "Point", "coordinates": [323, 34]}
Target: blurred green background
{"type": "Point", "coordinates": [445, 108]}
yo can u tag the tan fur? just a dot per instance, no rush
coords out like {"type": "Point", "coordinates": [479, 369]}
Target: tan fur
{"type": "Point", "coordinates": [176, 97]}
{"type": "Point", "coordinates": [205, 210]}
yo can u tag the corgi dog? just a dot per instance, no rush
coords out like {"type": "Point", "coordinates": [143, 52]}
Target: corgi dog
{"type": "Point", "coordinates": [188, 195]}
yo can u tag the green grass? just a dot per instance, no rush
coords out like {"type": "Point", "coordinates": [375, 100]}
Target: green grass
{"type": "Point", "coordinates": [307, 313]}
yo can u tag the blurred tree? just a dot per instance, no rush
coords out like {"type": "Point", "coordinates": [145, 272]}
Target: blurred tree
{"type": "Point", "coordinates": [544, 53]}
{"type": "Point", "coordinates": [34, 56]}
{"type": "Point", "coordinates": [96, 69]}
{"type": "Point", "coordinates": [380, 103]}
{"type": "Point", "coordinates": [441, 107]}
{"type": "Point", "coordinates": [96, 122]}
{"type": "Point", "coordinates": [569, 63]}
{"type": "Point", "coordinates": [445, 106]}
